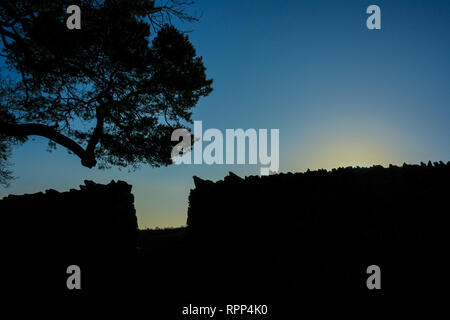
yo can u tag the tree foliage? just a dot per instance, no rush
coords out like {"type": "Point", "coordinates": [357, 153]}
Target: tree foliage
{"type": "Point", "coordinates": [112, 92]}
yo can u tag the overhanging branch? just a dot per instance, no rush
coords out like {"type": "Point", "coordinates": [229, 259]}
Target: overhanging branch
{"type": "Point", "coordinates": [29, 129]}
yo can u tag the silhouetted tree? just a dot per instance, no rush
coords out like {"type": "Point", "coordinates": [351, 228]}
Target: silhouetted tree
{"type": "Point", "coordinates": [5, 174]}
{"type": "Point", "coordinates": [111, 93]}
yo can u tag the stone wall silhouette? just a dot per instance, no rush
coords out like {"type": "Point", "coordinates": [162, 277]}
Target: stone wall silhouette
{"type": "Point", "coordinates": [317, 232]}
{"type": "Point", "coordinates": [94, 227]}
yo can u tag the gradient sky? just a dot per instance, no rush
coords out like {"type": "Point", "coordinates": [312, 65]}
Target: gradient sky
{"type": "Point", "coordinates": [339, 93]}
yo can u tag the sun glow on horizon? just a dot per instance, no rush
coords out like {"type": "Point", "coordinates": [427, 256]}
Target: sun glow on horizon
{"type": "Point", "coordinates": [355, 153]}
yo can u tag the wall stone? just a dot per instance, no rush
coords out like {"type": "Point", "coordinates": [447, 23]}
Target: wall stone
{"type": "Point", "coordinates": [94, 227]}
{"type": "Point", "coordinates": [316, 232]}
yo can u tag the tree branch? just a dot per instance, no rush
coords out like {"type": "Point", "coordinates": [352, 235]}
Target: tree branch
{"type": "Point", "coordinates": [29, 129]}
{"type": "Point", "coordinates": [9, 34]}
{"type": "Point", "coordinates": [98, 131]}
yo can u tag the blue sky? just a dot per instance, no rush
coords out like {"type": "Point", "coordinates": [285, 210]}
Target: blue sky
{"type": "Point", "coordinates": [339, 93]}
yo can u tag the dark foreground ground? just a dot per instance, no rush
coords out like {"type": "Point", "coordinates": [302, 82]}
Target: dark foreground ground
{"type": "Point", "coordinates": [279, 240]}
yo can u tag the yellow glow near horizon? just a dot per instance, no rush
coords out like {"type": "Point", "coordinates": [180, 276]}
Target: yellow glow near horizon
{"type": "Point", "coordinates": [352, 139]}
{"type": "Point", "coordinates": [353, 153]}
